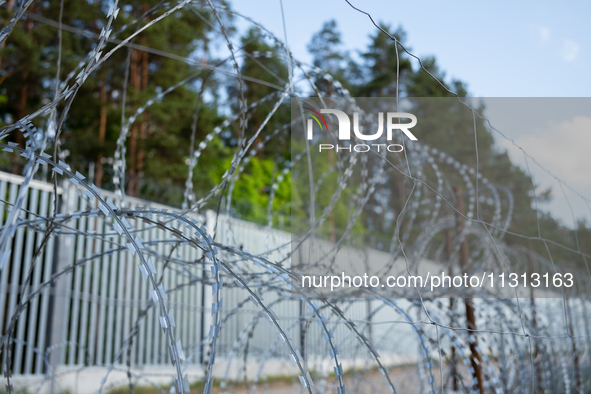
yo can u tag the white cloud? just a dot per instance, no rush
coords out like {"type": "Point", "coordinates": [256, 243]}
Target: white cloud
{"type": "Point", "coordinates": [544, 33]}
{"type": "Point", "coordinates": [570, 50]}
{"type": "Point", "coordinates": [562, 149]}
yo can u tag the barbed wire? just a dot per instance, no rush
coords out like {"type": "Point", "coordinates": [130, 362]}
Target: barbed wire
{"type": "Point", "coordinates": [511, 345]}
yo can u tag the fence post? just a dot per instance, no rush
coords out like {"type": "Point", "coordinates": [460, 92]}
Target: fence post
{"type": "Point", "coordinates": [207, 297]}
{"type": "Point", "coordinates": [59, 309]}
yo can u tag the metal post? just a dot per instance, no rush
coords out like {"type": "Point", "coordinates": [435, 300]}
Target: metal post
{"type": "Point", "coordinates": [61, 288]}
{"type": "Point", "coordinates": [475, 359]}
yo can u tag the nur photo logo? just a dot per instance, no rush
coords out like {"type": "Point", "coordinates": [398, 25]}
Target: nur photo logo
{"type": "Point", "coordinates": [392, 120]}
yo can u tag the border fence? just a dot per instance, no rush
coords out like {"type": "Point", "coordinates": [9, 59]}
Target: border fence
{"type": "Point", "coordinates": [90, 307]}
{"type": "Point", "coordinates": [87, 312]}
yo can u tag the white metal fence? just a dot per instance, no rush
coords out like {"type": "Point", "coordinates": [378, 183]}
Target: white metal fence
{"type": "Point", "coordinates": [88, 313]}
{"type": "Point", "coordinates": [33, 328]}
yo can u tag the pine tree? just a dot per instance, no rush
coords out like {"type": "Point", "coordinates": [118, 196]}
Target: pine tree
{"type": "Point", "coordinates": [264, 61]}
{"type": "Point", "coordinates": [157, 143]}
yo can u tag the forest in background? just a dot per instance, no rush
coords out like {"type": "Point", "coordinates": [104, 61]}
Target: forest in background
{"type": "Point", "coordinates": [158, 146]}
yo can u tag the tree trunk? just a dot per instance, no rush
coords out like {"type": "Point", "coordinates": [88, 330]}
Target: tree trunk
{"type": "Point", "coordinates": [475, 358]}
{"type": "Point", "coordinates": [453, 359]}
{"type": "Point", "coordinates": [537, 370]}
{"type": "Point", "coordinates": [131, 166]}
{"type": "Point", "coordinates": [139, 81]}
{"type": "Point", "coordinates": [102, 132]}
{"type": "Point", "coordinates": [143, 128]}
{"type": "Point", "coordinates": [9, 8]}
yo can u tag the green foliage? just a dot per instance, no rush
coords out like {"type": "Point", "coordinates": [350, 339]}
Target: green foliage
{"type": "Point", "coordinates": [250, 198]}
{"type": "Point", "coordinates": [28, 68]}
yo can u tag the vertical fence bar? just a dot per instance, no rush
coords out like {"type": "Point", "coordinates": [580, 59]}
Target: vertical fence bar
{"type": "Point", "coordinates": [159, 264]}
{"type": "Point", "coordinates": [104, 296]}
{"type": "Point", "coordinates": [95, 249]}
{"type": "Point", "coordinates": [45, 295]}
{"type": "Point", "coordinates": [135, 297]}
{"type": "Point", "coordinates": [34, 304]}
{"type": "Point", "coordinates": [15, 279]}
{"type": "Point", "coordinates": [26, 265]}
{"type": "Point", "coordinates": [4, 289]}
{"type": "Point", "coordinates": [174, 298]}
{"type": "Point", "coordinates": [62, 287]}
{"type": "Point", "coordinates": [191, 337]}
{"type": "Point", "coordinates": [84, 345]}
{"type": "Point", "coordinates": [75, 341]}
{"type": "Point", "coordinates": [150, 319]}
{"type": "Point", "coordinates": [207, 296]}
{"type": "Point", "coordinates": [140, 296]}
{"type": "Point", "coordinates": [164, 353]}
{"type": "Point", "coordinates": [183, 310]}
{"type": "Point", "coordinates": [119, 299]}
{"type": "Point", "coordinates": [112, 297]}
{"type": "Point", "coordinates": [126, 283]}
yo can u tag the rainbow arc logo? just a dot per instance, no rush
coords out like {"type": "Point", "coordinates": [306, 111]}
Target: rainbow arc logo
{"type": "Point", "coordinates": [315, 115]}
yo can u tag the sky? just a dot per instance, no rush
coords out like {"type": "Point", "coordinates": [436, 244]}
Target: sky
{"type": "Point", "coordinates": [556, 133]}
{"type": "Point", "coordinates": [500, 49]}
